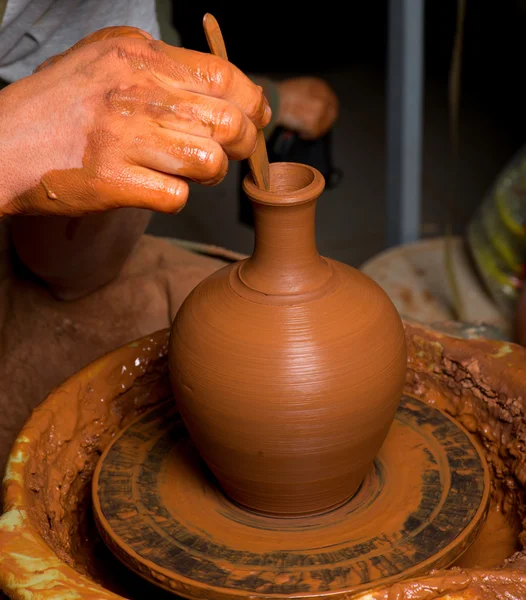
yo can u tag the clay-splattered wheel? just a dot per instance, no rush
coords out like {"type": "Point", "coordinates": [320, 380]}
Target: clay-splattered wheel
{"type": "Point", "coordinates": [161, 513]}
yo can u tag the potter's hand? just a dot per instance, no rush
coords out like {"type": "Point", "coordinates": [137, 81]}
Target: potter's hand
{"type": "Point", "coordinates": [307, 105]}
{"type": "Point", "coordinates": [123, 120]}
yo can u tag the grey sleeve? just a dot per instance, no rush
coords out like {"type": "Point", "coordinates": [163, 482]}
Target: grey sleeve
{"type": "Point", "coordinates": [34, 30]}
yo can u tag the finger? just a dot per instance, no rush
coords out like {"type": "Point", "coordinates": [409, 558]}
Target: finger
{"type": "Point", "coordinates": [76, 194]}
{"type": "Point", "coordinates": [203, 73]}
{"type": "Point", "coordinates": [140, 187]}
{"type": "Point", "coordinates": [202, 116]}
{"type": "Point", "coordinates": [196, 158]}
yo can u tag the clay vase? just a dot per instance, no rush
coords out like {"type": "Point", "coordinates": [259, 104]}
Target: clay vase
{"type": "Point", "coordinates": [287, 367]}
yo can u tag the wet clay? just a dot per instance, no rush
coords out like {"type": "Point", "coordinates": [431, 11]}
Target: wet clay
{"type": "Point", "coordinates": [45, 520]}
{"type": "Point", "coordinates": [483, 389]}
{"type": "Point", "coordinates": [288, 367]}
{"type": "Point", "coordinates": [161, 512]}
{"type": "Point", "coordinates": [71, 434]}
{"type": "Point", "coordinates": [498, 540]}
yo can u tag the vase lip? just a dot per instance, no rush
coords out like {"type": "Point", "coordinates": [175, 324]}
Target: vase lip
{"type": "Point", "coordinates": [291, 183]}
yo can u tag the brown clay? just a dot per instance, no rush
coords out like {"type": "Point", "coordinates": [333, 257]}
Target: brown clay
{"type": "Point", "coordinates": [288, 367]}
{"type": "Point", "coordinates": [497, 541]}
{"type": "Point", "coordinates": [163, 516]}
{"type": "Point", "coordinates": [46, 521]}
{"type": "Point", "coordinates": [480, 386]}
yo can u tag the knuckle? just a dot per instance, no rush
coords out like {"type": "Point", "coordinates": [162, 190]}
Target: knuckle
{"type": "Point", "coordinates": [127, 31]}
{"type": "Point", "coordinates": [213, 161]}
{"type": "Point", "coordinates": [256, 105]}
{"type": "Point", "coordinates": [111, 97]}
{"type": "Point", "coordinates": [230, 124]}
{"type": "Point", "coordinates": [220, 76]}
{"type": "Point", "coordinates": [114, 49]}
{"type": "Point", "coordinates": [133, 53]}
{"type": "Point", "coordinates": [48, 62]}
{"type": "Point", "coordinates": [127, 99]}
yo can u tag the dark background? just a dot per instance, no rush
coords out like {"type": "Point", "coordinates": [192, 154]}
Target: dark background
{"type": "Point", "coordinates": [288, 39]}
{"type": "Point", "coordinates": [346, 44]}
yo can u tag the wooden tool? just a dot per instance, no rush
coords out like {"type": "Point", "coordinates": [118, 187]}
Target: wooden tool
{"type": "Point", "coordinates": [259, 160]}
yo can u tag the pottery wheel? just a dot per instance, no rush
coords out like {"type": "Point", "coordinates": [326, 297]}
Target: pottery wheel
{"type": "Point", "coordinates": [161, 513]}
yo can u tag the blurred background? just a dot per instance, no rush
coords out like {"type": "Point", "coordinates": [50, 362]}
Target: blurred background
{"type": "Point", "coordinates": [349, 49]}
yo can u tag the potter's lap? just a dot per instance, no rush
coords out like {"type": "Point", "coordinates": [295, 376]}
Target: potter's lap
{"type": "Point", "coordinates": [49, 340]}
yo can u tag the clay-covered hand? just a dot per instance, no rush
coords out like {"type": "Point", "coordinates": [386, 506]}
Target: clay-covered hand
{"type": "Point", "coordinates": [307, 105]}
{"type": "Point", "coordinates": [122, 120]}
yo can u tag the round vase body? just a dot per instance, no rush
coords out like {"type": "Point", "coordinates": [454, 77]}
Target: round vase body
{"type": "Point", "coordinates": [288, 367]}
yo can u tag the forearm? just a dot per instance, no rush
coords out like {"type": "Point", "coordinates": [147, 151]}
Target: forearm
{"type": "Point", "coordinates": [75, 256]}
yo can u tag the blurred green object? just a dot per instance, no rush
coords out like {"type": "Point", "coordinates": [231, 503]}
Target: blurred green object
{"type": "Point", "coordinates": [496, 235]}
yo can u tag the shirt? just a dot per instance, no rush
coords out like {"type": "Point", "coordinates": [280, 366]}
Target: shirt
{"type": "Point", "coordinates": [33, 30]}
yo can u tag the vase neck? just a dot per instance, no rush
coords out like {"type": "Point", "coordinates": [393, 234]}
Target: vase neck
{"type": "Point", "coordinates": [285, 260]}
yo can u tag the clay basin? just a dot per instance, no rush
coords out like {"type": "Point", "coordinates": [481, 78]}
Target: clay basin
{"type": "Point", "coordinates": [48, 545]}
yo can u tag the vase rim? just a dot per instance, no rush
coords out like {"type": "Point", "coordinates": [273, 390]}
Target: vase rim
{"type": "Point", "coordinates": [291, 183]}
